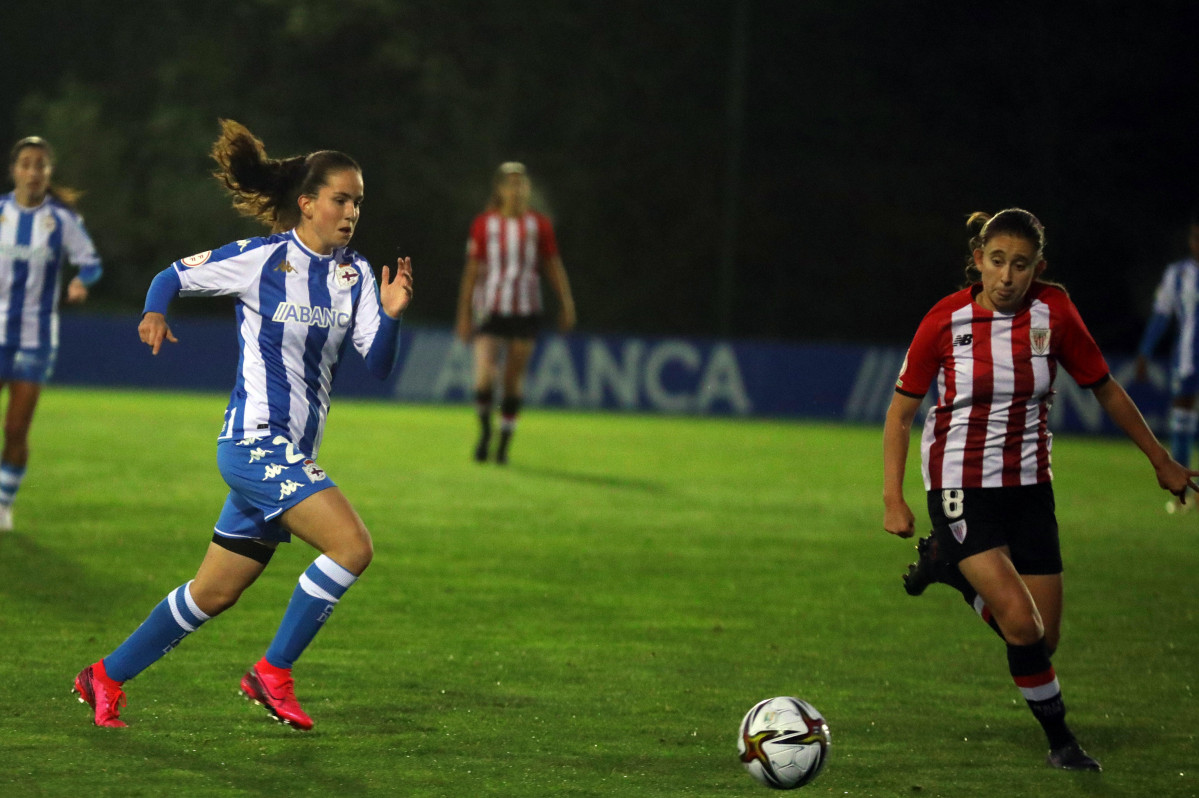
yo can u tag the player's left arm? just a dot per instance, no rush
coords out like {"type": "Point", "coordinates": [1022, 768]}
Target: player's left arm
{"type": "Point", "coordinates": [377, 319]}
{"type": "Point", "coordinates": [82, 253]}
{"type": "Point", "coordinates": [555, 275]}
{"type": "Point", "coordinates": [1116, 402]}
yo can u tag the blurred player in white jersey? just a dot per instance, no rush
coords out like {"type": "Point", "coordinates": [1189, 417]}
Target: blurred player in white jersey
{"type": "Point", "coordinates": [40, 232]}
{"type": "Point", "coordinates": [511, 247]}
{"type": "Point", "coordinates": [992, 349]}
{"type": "Point", "coordinates": [301, 296]}
{"type": "Point", "coordinates": [1177, 300]}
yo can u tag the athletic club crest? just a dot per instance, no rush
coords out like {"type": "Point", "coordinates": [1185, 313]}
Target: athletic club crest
{"type": "Point", "coordinates": [1039, 337]}
{"type": "Point", "coordinates": [958, 528]}
{"type": "Point", "coordinates": [346, 275]}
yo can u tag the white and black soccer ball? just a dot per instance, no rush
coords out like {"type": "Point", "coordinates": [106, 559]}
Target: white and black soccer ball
{"type": "Point", "coordinates": [783, 742]}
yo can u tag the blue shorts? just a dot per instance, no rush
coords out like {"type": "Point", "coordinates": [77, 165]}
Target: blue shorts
{"type": "Point", "coordinates": [265, 478]}
{"type": "Point", "coordinates": [27, 365]}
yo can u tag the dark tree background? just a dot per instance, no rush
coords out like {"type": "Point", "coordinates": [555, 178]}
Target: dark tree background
{"type": "Point", "coordinates": [757, 168]}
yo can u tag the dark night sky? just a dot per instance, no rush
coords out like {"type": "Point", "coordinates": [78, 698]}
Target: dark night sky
{"type": "Point", "coordinates": [868, 132]}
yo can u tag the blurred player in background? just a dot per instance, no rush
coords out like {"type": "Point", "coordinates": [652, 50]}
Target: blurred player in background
{"type": "Point", "coordinates": [302, 295]}
{"type": "Point", "coordinates": [992, 349]}
{"type": "Point", "coordinates": [499, 302]}
{"type": "Point", "coordinates": [1177, 300]}
{"type": "Point", "coordinates": [39, 233]}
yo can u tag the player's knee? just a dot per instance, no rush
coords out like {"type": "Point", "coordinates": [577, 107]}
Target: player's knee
{"type": "Point", "coordinates": [215, 599]}
{"type": "Point", "coordinates": [1021, 628]}
{"type": "Point", "coordinates": [354, 551]}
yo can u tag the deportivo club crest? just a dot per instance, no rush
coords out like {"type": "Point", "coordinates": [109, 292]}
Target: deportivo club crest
{"type": "Point", "coordinates": [346, 276]}
{"type": "Point", "coordinates": [1039, 337]}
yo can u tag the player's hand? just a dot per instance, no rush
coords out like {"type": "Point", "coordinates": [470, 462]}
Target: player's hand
{"type": "Point", "coordinates": [154, 330]}
{"type": "Point", "coordinates": [1177, 479]}
{"type": "Point", "coordinates": [396, 292]}
{"type": "Point", "coordinates": [898, 519]}
{"type": "Point", "coordinates": [76, 291]}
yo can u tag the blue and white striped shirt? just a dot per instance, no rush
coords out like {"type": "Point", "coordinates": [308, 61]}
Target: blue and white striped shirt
{"type": "Point", "coordinates": [34, 245]}
{"type": "Point", "coordinates": [296, 312]}
{"type": "Point", "coordinates": [1177, 299]}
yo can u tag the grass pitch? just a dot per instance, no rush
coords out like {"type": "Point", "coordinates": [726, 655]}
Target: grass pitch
{"type": "Point", "coordinates": [592, 620]}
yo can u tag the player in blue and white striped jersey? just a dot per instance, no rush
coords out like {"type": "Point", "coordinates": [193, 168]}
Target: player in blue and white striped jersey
{"type": "Point", "coordinates": [40, 232]}
{"type": "Point", "coordinates": [1177, 301]}
{"type": "Point", "coordinates": [301, 297]}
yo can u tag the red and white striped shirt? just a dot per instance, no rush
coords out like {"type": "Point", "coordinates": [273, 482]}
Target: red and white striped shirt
{"type": "Point", "coordinates": [994, 374]}
{"type": "Point", "coordinates": [510, 252]}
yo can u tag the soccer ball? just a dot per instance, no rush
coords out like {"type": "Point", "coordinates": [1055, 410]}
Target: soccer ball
{"type": "Point", "coordinates": [783, 742]}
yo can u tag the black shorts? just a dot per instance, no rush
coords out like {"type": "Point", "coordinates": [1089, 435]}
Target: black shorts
{"type": "Point", "coordinates": [969, 521]}
{"type": "Point", "coordinates": [511, 326]}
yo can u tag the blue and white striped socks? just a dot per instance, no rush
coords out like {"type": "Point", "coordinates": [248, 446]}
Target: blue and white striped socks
{"type": "Point", "coordinates": [319, 590]}
{"type": "Point", "coordinates": [10, 482]}
{"type": "Point", "coordinates": [175, 617]}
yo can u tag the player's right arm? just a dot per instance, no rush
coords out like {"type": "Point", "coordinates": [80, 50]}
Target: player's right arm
{"type": "Point", "coordinates": [466, 290]}
{"type": "Point", "coordinates": [153, 329]}
{"type": "Point", "coordinates": [897, 433]}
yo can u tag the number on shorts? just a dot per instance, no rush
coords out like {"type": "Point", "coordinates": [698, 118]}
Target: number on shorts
{"type": "Point", "coordinates": [953, 502]}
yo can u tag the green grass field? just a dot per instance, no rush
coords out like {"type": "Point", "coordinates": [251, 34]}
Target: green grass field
{"type": "Point", "coordinates": [592, 620]}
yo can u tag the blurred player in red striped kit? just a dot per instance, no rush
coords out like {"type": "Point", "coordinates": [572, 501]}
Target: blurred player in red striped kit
{"type": "Point", "coordinates": [993, 350]}
{"type": "Point", "coordinates": [511, 247]}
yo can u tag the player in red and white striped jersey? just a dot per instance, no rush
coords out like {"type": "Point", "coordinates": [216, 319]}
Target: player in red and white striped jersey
{"type": "Point", "coordinates": [511, 247]}
{"type": "Point", "coordinates": [993, 350]}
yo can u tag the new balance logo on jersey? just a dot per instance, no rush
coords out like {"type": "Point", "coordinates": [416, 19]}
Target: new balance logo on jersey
{"type": "Point", "coordinates": [965, 339]}
{"type": "Point", "coordinates": [272, 470]}
{"type": "Point", "coordinates": [285, 267]}
{"type": "Point", "coordinates": [312, 316]}
{"type": "Point", "coordinates": [287, 488]}
{"type": "Point", "coordinates": [259, 453]}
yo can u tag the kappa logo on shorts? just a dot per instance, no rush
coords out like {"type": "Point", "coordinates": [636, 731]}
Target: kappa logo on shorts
{"type": "Point", "coordinates": [287, 488]}
{"type": "Point", "coordinates": [272, 470]}
{"type": "Point", "coordinates": [259, 453]}
{"type": "Point", "coordinates": [958, 528]}
{"type": "Point", "coordinates": [249, 441]}
{"type": "Point", "coordinates": [315, 473]}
